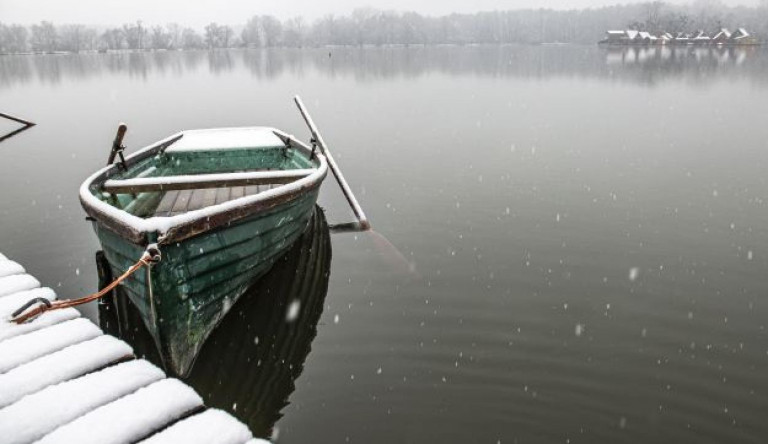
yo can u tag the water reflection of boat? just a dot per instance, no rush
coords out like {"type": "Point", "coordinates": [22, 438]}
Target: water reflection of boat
{"type": "Point", "coordinates": [250, 361]}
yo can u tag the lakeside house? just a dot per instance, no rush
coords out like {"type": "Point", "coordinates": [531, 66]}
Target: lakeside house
{"type": "Point", "coordinates": [700, 38]}
{"type": "Point", "coordinates": [723, 36]}
{"type": "Point", "coordinates": [634, 37]}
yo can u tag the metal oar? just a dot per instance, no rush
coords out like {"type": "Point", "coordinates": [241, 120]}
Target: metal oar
{"type": "Point", "coordinates": [383, 245]}
{"type": "Point", "coordinates": [317, 140]}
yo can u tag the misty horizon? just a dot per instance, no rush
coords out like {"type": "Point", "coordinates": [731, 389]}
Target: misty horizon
{"type": "Point", "coordinates": [235, 13]}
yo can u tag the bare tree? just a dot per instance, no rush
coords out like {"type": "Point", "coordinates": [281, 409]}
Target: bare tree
{"type": "Point", "coordinates": [252, 33]}
{"type": "Point", "coordinates": [191, 39]}
{"type": "Point", "coordinates": [72, 38]}
{"type": "Point", "coordinates": [653, 16]}
{"type": "Point", "coordinates": [273, 30]}
{"type": "Point", "coordinates": [113, 38]}
{"type": "Point", "coordinates": [13, 38]}
{"type": "Point", "coordinates": [44, 37]}
{"type": "Point", "coordinates": [212, 35]}
{"type": "Point", "coordinates": [160, 39]}
{"type": "Point", "coordinates": [294, 32]}
{"type": "Point", "coordinates": [135, 35]}
{"type": "Point", "coordinates": [174, 33]}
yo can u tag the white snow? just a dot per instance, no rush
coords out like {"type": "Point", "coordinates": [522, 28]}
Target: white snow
{"type": "Point", "coordinates": [25, 348]}
{"type": "Point", "coordinates": [197, 178]}
{"type": "Point", "coordinates": [61, 403]}
{"type": "Point", "coordinates": [61, 398]}
{"type": "Point", "coordinates": [211, 426]}
{"type": "Point", "coordinates": [258, 441]}
{"type": "Point", "coordinates": [131, 417]}
{"type": "Point", "coordinates": [9, 329]}
{"type": "Point", "coordinates": [17, 282]}
{"type": "Point", "coordinates": [8, 268]}
{"type": "Point", "coordinates": [293, 310]}
{"type": "Point", "coordinates": [162, 225]}
{"type": "Point", "coordinates": [11, 303]}
{"type": "Point", "coordinates": [62, 365]}
{"type": "Point", "coordinates": [226, 138]}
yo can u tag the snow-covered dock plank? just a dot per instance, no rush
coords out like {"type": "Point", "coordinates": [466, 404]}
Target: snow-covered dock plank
{"type": "Point", "coordinates": [209, 426]}
{"type": "Point", "coordinates": [63, 381]}
{"type": "Point", "coordinates": [70, 362]}
{"type": "Point", "coordinates": [8, 330]}
{"type": "Point", "coordinates": [25, 348]}
{"type": "Point", "coordinates": [65, 402]}
{"type": "Point", "coordinates": [9, 268]}
{"type": "Point", "coordinates": [131, 417]}
{"type": "Point", "coordinates": [11, 302]}
{"type": "Point", "coordinates": [17, 282]}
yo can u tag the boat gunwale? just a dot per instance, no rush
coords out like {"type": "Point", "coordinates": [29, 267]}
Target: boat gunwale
{"type": "Point", "coordinates": [176, 228]}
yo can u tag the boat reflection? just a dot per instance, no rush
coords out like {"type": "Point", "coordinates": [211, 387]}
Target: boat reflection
{"type": "Point", "coordinates": [249, 363]}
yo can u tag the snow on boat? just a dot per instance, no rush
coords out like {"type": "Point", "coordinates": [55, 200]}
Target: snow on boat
{"type": "Point", "coordinates": [221, 204]}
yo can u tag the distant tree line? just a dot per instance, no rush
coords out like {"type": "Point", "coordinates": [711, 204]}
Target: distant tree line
{"type": "Point", "coordinates": [376, 27]}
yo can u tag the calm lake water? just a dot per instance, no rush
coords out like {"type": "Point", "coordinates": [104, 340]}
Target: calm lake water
{"type": "Point", "coordinates": [582, 234]}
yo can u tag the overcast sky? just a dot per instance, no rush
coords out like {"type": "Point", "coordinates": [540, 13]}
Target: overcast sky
{"type": "Point", "coordinates": [197, 13]}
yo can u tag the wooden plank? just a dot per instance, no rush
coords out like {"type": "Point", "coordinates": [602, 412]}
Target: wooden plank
{"type": "Point", "coordinates": [203, 428]}
{"type": "Point", "coordinates": [166, 203]}
{"type": "Point", "coordinates": [209, 197]}
{"type": "Point", "coordinates": [201, 181]}
{"type": "Point", "coordinates": [62, 365]}
{"type": "Point", "coordinates": [131, 417]}
{"type": "Point", "coordinates": [65, 402]}
{"type": "Point", "coordinates": [223, 194]}
{"type": "Point", "coordinates": [237, 192]}
{"type": "Point", "coordinates": [250, 190]}
{"type": "Point", "coordinates": [180, 206]}
{"type": "Point", "coordinates": [9, 268]}
{"type": "Point", "coordinates": [12, 302]}
{"type": "Point", "coordinates": [22, 349]}
{"type": "Point", "coordinates": [57, 384]}
{"type": "Point", "coordinates": [45, 320]}
{"type": "Point", "coordinates": [16, 283]}
{"type": "Point", "coordinates": [196, 200]}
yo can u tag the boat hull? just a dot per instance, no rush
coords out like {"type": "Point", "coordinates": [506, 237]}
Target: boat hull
{"type": "Point", "coordinates": [182, 298]}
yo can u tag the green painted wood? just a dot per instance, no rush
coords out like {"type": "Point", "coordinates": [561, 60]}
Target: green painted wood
{"type": "Point", "coordinates": [199, 162]}
{"type": "Point", "coordinates": [200, 277]}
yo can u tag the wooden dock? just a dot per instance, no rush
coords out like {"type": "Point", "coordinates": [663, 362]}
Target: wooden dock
{"type": "Point", "coordinates": [62, 380]}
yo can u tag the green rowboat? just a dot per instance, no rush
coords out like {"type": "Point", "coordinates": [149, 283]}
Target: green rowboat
{"type": "Point", "coordinates": [222, 205]}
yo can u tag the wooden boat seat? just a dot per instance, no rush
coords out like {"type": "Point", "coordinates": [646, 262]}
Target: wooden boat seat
{"type": "Point", "coordinates": [180, 201]}
{"type": "Point", "coordinates": [203, 181]}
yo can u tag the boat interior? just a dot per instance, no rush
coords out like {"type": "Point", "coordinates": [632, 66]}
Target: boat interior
{"type": "Point", "coordinates": [205, 168]}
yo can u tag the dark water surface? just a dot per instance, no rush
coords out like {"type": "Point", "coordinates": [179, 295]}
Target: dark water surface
{"type": "Point", "coordinates": [584, 232]}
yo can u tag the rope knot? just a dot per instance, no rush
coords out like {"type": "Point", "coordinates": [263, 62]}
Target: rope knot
{"type": "Point", "coordinates": [151, 255]}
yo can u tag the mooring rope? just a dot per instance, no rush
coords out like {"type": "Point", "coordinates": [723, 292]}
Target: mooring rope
{"type": "Point", "coordinates": [151, 255]}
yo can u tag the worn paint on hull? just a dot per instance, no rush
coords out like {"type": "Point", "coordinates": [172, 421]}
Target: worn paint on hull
{"type": "Point", "coordinates": [184, 296]}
